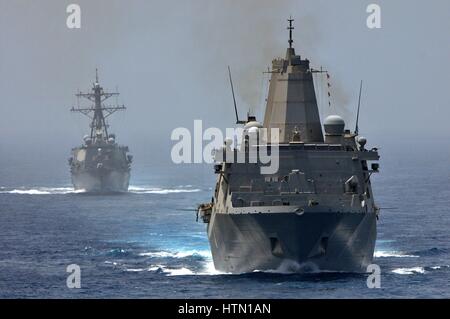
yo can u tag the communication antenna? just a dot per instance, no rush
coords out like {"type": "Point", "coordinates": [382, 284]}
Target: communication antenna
{"type": "Point", "coordinates": [99, 111]}
{"type": "Point", "coordinates": [290, 28]}
{"type": "Point", "coordinates": [359, 105]}
{"type": "Point", "coordinates": [234, 99]}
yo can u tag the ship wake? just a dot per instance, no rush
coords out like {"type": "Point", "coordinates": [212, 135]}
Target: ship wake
{"type": "Point", "coordinates": [37, 190]}
{"type": "Point", "coordinates": [419, 270]}
{"type": "Point", "coordinates": [396, 254]}
{"type": "Point", "coordinates": [162, 191]}
{"type": "Point", "coordinates": [40, 190]}
{"type": "Point", "coordinates": [166, 262]}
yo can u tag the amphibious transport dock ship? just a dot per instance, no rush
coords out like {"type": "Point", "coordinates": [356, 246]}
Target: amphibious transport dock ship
{"type": "Point", "coordinates": [317, 213]}
{"type": "Point", "coordinates": [100, 164]}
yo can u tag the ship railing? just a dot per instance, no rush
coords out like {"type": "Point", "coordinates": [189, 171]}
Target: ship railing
{"type": "Point", "coordinates": [306, 146]}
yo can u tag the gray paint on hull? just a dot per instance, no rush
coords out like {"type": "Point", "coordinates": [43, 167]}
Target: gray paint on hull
{"type": "Point", "coordinates": [294, 217]}
{"type": "Point", "coordinates": [101, 181]}
{"type": "Point", "coordinates": [289, 242]}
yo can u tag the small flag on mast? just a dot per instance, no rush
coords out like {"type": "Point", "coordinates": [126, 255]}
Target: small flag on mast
{"type": "Point", "coordinates": [329, 86]}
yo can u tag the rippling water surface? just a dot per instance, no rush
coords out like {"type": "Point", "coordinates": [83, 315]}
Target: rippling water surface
{"type": "Point", "coordinates": [147, 244]}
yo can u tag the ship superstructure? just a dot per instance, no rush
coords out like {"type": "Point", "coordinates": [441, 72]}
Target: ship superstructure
{"type": "Point", "coordinates": [100, 164]}
{"type": "Point", "coordinates": [317, 212]}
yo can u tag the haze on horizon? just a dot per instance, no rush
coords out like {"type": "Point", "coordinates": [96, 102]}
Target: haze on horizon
{"type": "Point", "coordinates": [169, 61]}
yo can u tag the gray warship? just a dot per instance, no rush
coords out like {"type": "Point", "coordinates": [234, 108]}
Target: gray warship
{"type": "Point", "coordinates": [99, 165]}
{"type": "Point", "coordinates": [317, 213]}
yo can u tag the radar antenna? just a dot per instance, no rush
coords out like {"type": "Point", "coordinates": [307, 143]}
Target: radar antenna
{"type": "Point", "coordinates": [234, 99]}
{"type": "Point", "coordinates": [290, 28]}
{"type": "Point", "coordinates": [97, 96]}
{"type": "Point", "coordinates": [359, 105]}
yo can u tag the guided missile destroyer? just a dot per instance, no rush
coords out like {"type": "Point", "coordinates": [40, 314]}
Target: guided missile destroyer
{"type": "Point", "coordinates": [317, 213]}
{"type": "Point", "coordinates": [99, 165]}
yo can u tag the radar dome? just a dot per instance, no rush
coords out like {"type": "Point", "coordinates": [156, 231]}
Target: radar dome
{"type": "Point", "coordinates": [334, 125]}
{"type": "Point", "coordinates": [228, 141]}
{"type": "Point", "coordinates": [253, 130]}
{"type": "Point", "coordinates": [362, 141]}
{"type": "Point", "coordinates": [252, 124]}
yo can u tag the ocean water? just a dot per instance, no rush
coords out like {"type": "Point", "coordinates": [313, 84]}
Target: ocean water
{"type": "Point", "coordinates": [147, 243]}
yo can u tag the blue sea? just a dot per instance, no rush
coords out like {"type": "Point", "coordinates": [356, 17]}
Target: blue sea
{"type": "Point", "coordinates": [147, 243]}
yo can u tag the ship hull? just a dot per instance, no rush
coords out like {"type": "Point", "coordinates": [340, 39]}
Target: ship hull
{"type": "Point", "coordinates": [290, 242]}
{"type": "Point", "coordinates": [101, 181]}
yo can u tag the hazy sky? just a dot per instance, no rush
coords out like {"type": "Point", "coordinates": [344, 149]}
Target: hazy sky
{"type": "Point", "coordinates": [169, 60]}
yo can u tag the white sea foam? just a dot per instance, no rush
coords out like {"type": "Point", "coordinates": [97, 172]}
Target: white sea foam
{"type": "Point", "coordinates": [399, 254]}
{"type": "Point", "coordinates": [207, 269]}
{"type": "Point", "coordinates": [177, 254]}
{"type": "Point", "coordinates": [409, 271]}
{"type": "Point", "coordinates": [436, 267]}
{"type": "Point", "coordinates": [161, 191]}
{"type": "Point", "coordinates": [135, 269]}
{"type": "Point", "coordinates": [440, 267]}
{"type": "Point", "coordinates": [154, 268]}
{"type": "Point", "coordinates": [70, 190]}
{"type": "Point", "coordinates": [292, 267]}
{"type": "Point", "coordinates": [40, 190]}
{"type": "Point", "coordinates": [184, 271]}
{"type": "Point", "coordinates": [28, 192]}
{"type": "Point", "coordinates": [178, 271]}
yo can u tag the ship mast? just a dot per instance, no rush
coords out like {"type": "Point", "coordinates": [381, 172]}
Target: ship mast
{"type": "Point", "coordinates": [290, 28]}
{"type": "Point", "coordinates": [291, 103]}
{"type": "Point", "coordinates": [98, 96]}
